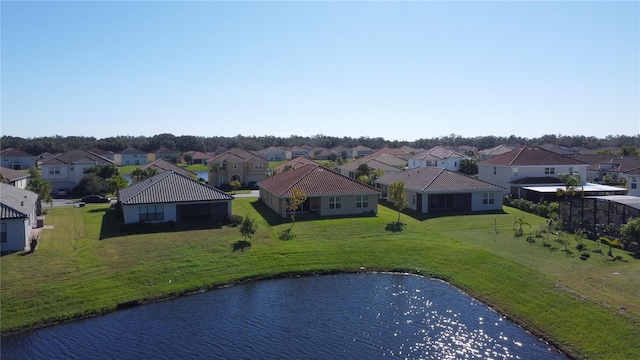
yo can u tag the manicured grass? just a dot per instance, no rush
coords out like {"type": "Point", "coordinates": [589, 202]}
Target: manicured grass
{"type": "Point", "coordinates": [588, 308]}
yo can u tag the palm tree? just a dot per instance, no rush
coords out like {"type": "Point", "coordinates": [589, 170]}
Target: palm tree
{"type": "Point", "coordinates": [572, 183]}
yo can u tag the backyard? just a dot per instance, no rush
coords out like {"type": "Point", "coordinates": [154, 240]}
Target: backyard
{"type": "Point", "coordinates": [85, 266]}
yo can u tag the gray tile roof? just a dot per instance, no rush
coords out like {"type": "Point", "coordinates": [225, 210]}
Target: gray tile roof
{"type": "Point", "coordinates": [163, 165]}
{"type": "Point", "coordinates": [437, 153]}
{"type": "Point", "coordinates": [314, 180]}
{"type": "Point", "coordinates": [16, 203]}
{"type": "Point", "coordinates": [433, 179]}
{"type": "Point", "coordinates": [530, 156]}
{"type": "Point", "coordinates": [76, 156]}
{"type": "Point", "coordinates": [170, 187]}
{"type": "Point", "coordinates": [131, 151]}
{"type": "Point", "coordinates": [13, 175]}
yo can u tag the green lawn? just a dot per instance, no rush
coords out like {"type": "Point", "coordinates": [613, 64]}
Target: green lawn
{"type": "Point", "coordinates": [588, 308]}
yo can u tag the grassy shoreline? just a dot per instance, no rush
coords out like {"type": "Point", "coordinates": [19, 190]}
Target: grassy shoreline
{"type": "Point", "coordinates": [84, 267]}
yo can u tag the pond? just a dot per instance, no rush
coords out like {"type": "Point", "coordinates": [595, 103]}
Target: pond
{"type": "Point", "coordinates": [346, 316]}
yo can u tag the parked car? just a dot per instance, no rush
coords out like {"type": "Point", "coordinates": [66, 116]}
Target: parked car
{"type": "Point", "coordinates": [95, 199]}
{"type": "Point", "coordinates": [62, 192]}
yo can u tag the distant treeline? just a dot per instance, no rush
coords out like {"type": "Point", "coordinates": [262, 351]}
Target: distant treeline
{"type": "Point", "coordinates": [57, 143]}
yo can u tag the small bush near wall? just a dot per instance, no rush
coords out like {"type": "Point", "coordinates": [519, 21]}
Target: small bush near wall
{"type": "Point", "coordinates": [543, 209]}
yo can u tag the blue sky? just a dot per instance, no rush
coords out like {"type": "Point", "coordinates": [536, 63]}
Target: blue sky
{"type": "Point", "coordinates": [397, 70]}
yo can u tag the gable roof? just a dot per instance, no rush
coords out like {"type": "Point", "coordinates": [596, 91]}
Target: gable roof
{"type": "Point", "coordinates": [170, 187]}
{"type": "Point", "coordinates": [437, 153]}
{"type": "Point", "coordinates": [164, 150]}
{"type": "Point", "coordinates": [16, 203]}
{"type": "Point", "coordinates": [163, 165]}
{"type": "Point", "coordinates": [131, 151]}
{"type": "Point", "coordinates": [237, 155]}
{"type": "Point", "coordinates": [530, 156]}
{"type": "Point", "coordinates": [497, 150]}
{"type": "Point", "coordinates": [76, 156]}
{"type": "Point", "coordinates": [386, 162]}
{"type": "Point", "coordinates": [13, 175]}
{"type": "Point", "coordinates": [13, 152]}
{"type": "Point", "coordinates": [101, 152]}
{"type": "Point", "coordinates": [197, 155]}
{"type": "Point", "coordinates": [295, 163]}
{"type": "Point", "coordinates": [314, 180]}
{"type": "Point", "coordinates": [434, 179]}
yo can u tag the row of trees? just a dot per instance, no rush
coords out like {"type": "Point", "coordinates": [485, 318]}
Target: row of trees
{"type": "Point", "coordinates": [57, 143]}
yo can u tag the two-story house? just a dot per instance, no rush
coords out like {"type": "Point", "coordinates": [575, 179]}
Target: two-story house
{"type": "Point", "coordinates": [131, 156]}
{"type": "Point", "coordinates": [64, 171]}
{"type": "Point", "coordinates": [437, 157]}
{"type": "Point", "coordinates": [530, 172]}
{"type": "Point", "coordinates": [237, 164]}
{"type": "Point", "coordinates": [17, 159]}
{"type": "Point", "coordinates": [298, 151]}
{"type": "Point", "coordinates": [274, 153]}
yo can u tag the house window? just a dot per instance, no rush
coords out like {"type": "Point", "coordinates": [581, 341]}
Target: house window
{"type": "Point", "coordinates": [152, 213]}
{"type": "Point", "coordinates": [3, 234]}
{"type": "Point", "coordinates": [487, 198]}
{"type": "Point", "coordinates": [571, 170]}
{"type": "Point", "coordinates": [235, 166]}
{"type": "Point", "coordinates": [634, 182]}
{"type": "Point", "coordinates": [362, 201]}
{"type": "Point", "coordinates": [515, 171]}
{"type": "Point", "coordinates": [413, 197]}
{"type": "Point", "coordinates": [335, 202]}
{"type": "Point", "coordinates": [221, 180]}
{"type": "Point", "coordinates": [54, 170]}
{"type": "Point", "coordinates": [494, 170]}
{"type": "Point", "coordinates": [257, 166]}
{"type": "Point", "coordinates": [550, 171]}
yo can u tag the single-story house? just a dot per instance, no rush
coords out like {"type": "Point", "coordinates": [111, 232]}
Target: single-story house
{"type": "Point", "coordinates": [163, 165]}
{"type": "Point", "coordinates": [328, 193]}
{"type": "Point", "coordinates": [170, 196]}
{"type": "Point", "coordinates": [19, 209]}
{"type": "Point", "coordinates": [19, 179]}
{"type": "Point", "coordinates": [197, 157]}
{"type": "Point", "coordinates": [438, 190]}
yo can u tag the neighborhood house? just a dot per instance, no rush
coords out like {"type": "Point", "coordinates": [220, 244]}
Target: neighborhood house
{"type": "Point", "coordinates": [170, 196]}
{"type": "Point", "coordinates": [328, 193]}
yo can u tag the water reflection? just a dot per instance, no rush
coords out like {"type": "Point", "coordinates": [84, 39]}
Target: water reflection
{"type": "Point", "coordinates": [326, 317]}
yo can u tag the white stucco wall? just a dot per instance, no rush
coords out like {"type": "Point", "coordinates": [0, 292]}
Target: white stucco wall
{"type": "Point", "coordinates": [477, 201]}
{"type": "Point", "coordinates": [131, 213]}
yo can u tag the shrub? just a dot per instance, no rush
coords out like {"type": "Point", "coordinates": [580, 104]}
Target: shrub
{"type": "Point", "coordinates": [233, 219]}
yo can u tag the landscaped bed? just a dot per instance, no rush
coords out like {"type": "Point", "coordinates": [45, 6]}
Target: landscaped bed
{"type": "Point", "coordinates": [85, 266]}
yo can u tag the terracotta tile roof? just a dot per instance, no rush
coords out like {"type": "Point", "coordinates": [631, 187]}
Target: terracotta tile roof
{"type": "Point", "coordinates": [237, 155]}
{"type": "Point", "coordinates": [13, 175]}
{"type": "Point", "coordinates": [530, 156]}
{"type": "Point", "coordinates": [16, 203]}
{"type": "Point", "coordinates": [433, 179]}
{"type": "Point", "coordinates": [13, 152]}
{"type": "Point", "coordinates": [163, 165]}
{"type": "Point", "coordinates": [76, 156]}
{"type": "Point", "coordinates": [197, 155]}
{"type": "Point", "coordinates": [170, 187]}
{"type": "Point", "coordinates": [295, 163]}
{"type": "Point", "coordinates": [314, 180]}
